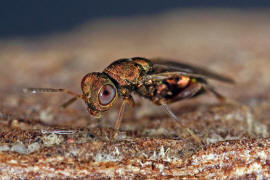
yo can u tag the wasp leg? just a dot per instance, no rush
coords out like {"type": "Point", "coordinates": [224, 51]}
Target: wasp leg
{"type": "Point", "coordinates": [130, 100]}
{"type": "Point", "coordinates": [120, 116]}
{"type": "Point", "coordinates": [210, 88]}
{"type": "Point", "coordinates": [174, 117]}
{"type": "Point", "coordinates": [68, 103]}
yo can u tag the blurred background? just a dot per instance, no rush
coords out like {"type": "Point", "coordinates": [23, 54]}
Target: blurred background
{"type": "Point", "coordinates": [39, 18]}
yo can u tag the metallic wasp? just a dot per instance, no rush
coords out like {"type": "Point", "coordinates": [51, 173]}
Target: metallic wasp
{"type": "Point", "coordinates": [160, 80]}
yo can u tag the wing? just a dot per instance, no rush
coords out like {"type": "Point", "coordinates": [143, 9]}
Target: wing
{"type": "Point", "coordinates": [163, 68]}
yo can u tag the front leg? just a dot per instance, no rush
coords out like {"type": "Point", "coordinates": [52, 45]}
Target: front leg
{"type": "Point", "coordinates": [126, 99]}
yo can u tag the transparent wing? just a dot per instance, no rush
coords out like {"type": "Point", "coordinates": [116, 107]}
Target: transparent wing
{"type": "Point", "coordinates": [165, 68]}
{"type": "Point", "coordinates": [165, 75]}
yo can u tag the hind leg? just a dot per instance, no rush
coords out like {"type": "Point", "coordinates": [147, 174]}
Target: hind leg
{"type": "Point", "coordinates": [175, 118]}
{"type": "Point", "coordinates": [220, 97]}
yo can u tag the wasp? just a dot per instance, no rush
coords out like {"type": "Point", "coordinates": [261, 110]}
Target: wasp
{"type": "Point", "coordinates": [161, 81]}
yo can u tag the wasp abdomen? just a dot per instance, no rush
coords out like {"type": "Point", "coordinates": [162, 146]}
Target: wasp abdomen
{"type": "Point", "coordinates": [169, 90]}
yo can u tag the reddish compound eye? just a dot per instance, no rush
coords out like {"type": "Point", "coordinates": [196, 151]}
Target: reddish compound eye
{"type": "Point", "coordinates": [106, 95]}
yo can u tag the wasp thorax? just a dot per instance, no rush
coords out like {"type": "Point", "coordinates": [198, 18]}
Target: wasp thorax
{"type": "Point", "coordinates": [99, 92]}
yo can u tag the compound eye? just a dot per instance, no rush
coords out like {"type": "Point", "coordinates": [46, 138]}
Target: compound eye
{"type": "Point", "coordinates": [106, 94]}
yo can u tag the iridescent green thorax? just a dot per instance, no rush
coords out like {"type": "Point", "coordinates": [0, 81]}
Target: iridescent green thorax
{"type": "Point", "coordinates": [128, 72]}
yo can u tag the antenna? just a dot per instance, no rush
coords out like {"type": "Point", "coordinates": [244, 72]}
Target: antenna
{"type": "Point", "coordinates": [51, 90]}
